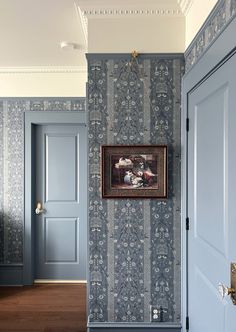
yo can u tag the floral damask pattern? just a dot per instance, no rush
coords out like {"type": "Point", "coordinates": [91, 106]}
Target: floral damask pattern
{"type": "Point", "coordinates": [223, 13]}
{"type": "Point", "coordinates": [129, 289]}
{"type": "Point", "coordinates": [162, 273]}
{"type": "Point", "coordinates": [97, 135]}
{"type": "Point", "coordinates": [14, 175]}
{"type": "Point", "coordinates": [162, 102]}
{"type": "Point", "coordinates": [136, 240]}
{"type": "Point", "coordinates": [165, 117]}
{"type": "Point", "coordinates": [128, 103]}
{"type": "Point", "coordinates": [58, 105]}
{"type": "Point", "coordinates": [233, 7]}
{"type": "Point", "coordinates": [12, 168]}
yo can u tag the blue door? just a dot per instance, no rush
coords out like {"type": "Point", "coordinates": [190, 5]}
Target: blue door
{"type": "Point", "coordinates": [211, 201]}
{"type": "Point", "coordinates": [60, 206]}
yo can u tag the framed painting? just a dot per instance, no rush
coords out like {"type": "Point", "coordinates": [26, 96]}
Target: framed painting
{"type": "Point", "coordinates": [138, 171]}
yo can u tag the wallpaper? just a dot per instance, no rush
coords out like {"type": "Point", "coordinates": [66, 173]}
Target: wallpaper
{"type": "Point", "coordinates": [134, 244]}
{"type": "Point", "coordinates": [12, 168]}
{"type": "Point", "coordinates": [224, 12]}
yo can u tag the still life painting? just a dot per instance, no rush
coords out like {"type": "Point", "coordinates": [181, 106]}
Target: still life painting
{"type": "Point", "coordinates": [134, 171]}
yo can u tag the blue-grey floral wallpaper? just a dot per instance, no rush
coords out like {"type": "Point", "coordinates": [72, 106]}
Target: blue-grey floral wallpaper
{"type": "Point", "coordinates": [12, 168]}
{"type": "Point", "coordinates": [221, 15]}
{"type": "Point", "coordinates": [134, 244]}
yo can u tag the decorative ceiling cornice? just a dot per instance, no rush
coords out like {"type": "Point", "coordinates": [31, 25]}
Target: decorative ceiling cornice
{"type": "Point", "coordinates": [127, 12]}
{"type": "Point", "coordinates": [84, 22]}
{"type": "Point", "coordinates": [130, 8]}
{"type": "Point", "coordinates": [105, 8]}
{"type": "Point", "coordinates": [185, 5]}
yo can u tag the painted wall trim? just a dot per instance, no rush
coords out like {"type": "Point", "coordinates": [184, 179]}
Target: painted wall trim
{"type": "Point", "coordinates": [185, 5]}
{"type": "Point", "coordinates": [135, 325]}
{"type": "Point", "coordinates": [11, 275]}
{"type": "Point", "coordinates": [126, 327]}
{"type": "Point", "coordinates": [46, 69]}
{"type": "Point", "coordinates": [218, 20]}
{"type": "Point", "coordinates": [101, 56]}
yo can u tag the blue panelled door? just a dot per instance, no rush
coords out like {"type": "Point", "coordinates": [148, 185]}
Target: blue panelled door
{"type": "Point", "coordinates": [60, 221]}
{"type": "Point", "coordinates": [212, 200]}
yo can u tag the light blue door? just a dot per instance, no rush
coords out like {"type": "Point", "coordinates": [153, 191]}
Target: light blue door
{"type": "Point", "coordinates": [60, 220]}
{"type": "Point", "coordinates": [212, 200]}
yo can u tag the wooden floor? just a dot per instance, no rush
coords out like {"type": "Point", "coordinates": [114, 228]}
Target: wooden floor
{"type": "Point", "coordinates": [47, 308]}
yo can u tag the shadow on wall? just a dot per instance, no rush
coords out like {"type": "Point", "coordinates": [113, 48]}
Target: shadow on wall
{"type": "Point", "coordinates": [11, 239]}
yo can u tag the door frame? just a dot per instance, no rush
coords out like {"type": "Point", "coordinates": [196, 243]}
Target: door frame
{"type": "Point", "coordinates": [31, 119]}
{"type": "Point", "coordinates": [215, 56]}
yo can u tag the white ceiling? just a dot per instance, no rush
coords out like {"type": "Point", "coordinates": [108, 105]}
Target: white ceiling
{"type": "Point", "coordinates": [31, 30]}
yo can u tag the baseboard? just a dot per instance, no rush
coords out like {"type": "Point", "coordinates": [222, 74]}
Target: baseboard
{"type": "Point", "coordinates": [127, 327]}
{"type": "Point", "coordinates": [51, 281]}
{"type": "Point", "coordinates": [11, 275]}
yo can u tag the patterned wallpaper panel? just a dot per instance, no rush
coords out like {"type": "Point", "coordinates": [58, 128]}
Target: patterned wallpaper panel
{"type": "Point", "coordinates": [134, 254]}
{"type": "Point", "coordinates": [12, 168]}
{"type": "Point", "coordinates": [222, 14]}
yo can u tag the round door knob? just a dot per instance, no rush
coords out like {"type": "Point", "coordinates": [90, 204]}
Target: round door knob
{"type": "Point", "coordinates": [224, 291]}
{"type": "Point", "coordinates": [39, 209]}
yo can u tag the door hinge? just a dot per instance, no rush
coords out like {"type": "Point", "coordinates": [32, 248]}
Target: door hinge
{"type": "Point", "coordinates": [187, 323]}
{"type": "Point", "coordinates": [187, 224]}
{"type": "Point", "coordinates": [187, 124]}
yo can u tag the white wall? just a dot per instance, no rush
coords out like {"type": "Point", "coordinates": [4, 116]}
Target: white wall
{"type": "Point", "coordinates": [196, 16]}
{"type": "Point", "coordinates": [30, 83]}
{"type": "Point", "coordinates": [153, 34]}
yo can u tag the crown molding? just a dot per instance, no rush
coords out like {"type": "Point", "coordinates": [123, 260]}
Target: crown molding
{"type": "Point", "coordinates": [106, 9]}
{"type": "Point", "coordinates": [43, 70]}
{"type": "Point", "coordinates": [185, 5]}
{"type": "Point", "coordinates": [128, 12]}
{"type": "Point", "coordinates": [84, 23]}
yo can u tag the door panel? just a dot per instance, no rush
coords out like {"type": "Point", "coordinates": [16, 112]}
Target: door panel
{"type": "Point", "coordinates": [61, 240]}
{"type": "Point", "coordinates": [211, 208]}
{"type": "Point", "coordinates": [61, 150]}
{"type": "Point", "coordinates": [61, 229]}
{"type": "Point", "coordinates": [209, 157]}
